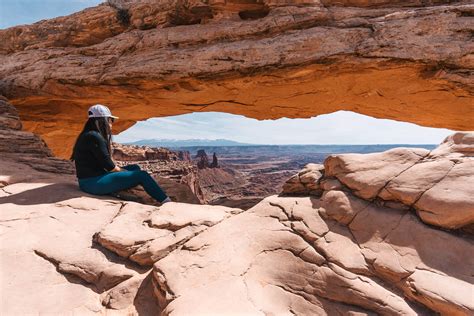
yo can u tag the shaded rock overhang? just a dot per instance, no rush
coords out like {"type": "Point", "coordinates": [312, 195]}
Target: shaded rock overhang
{"type": "Point", "coordinates": [404, 60]}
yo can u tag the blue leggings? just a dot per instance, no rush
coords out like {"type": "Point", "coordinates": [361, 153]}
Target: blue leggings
{"type": "Point", "coordinates": [116, 181]}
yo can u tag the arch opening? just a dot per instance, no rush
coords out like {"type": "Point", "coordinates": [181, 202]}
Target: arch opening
{"type": "Point", "coordinates": [224, 159]}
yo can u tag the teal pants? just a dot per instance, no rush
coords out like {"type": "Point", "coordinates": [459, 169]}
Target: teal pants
{"type": "Point", "coordinates": [116, 181]}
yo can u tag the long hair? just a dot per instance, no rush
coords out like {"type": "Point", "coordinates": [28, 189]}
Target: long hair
{"type": "Point", "coordinates": [100, 125]}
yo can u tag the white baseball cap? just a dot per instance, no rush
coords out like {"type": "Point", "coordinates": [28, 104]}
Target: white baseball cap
{"type": "Point", "coordinates": [100, 110]}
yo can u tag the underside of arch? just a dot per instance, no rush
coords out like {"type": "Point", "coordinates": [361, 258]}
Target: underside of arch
{"type": "Point", "coordinates": [386, 61]}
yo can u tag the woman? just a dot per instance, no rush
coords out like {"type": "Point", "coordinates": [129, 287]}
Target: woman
{"type": "Point", "coordinates": [95, 170]}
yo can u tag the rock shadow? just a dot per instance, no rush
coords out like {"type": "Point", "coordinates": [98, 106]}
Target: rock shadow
{"type": "Point", "coordinates": [115, 258]}
{"type": "Point", "coordinates": [405, 230]}
{"type": "Point", "coordinates": [46, 194]}
{"type": "Point", "coordinates": [145, 301]}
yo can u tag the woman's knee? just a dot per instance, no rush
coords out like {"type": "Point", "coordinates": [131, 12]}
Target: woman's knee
{"type": "Point", "coordinates": [143, 174]}
{"type": "Point", "coordinates": [139, 175]}
{"type": "Point", "coordinates": [132, 167]}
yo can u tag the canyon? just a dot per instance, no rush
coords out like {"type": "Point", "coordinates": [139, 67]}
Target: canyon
{"type": "Point", "coordinates": [385, 233]}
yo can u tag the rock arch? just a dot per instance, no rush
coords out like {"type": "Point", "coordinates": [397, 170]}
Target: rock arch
{"type": "Point", "coordinates": [409, 60]}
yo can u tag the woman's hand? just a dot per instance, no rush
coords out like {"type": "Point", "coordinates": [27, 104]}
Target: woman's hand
{"type": "Point", "coordinates": [116, 169]}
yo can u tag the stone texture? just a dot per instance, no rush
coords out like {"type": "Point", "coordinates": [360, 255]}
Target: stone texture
{"type": "Point", "coordinates": [186, 55]}
{"type": "Point", "coordinates": [48, 264]}
{"type": "Point", "coordinates": [442, 293]}
{"type": "Point", "coordinates": [334, 254]}
{"type": "Point", "coordinates": [25, 147]}
{"type": "Point", "coordinates": [364, 247]}
{"type": "Point", "coordinates": [306, 181]}
{"type": "Point", "coordinates": [145, 234]}
{"type": "Point", "coordinates": [450, 202]}
{"type": "Point", "coordinates": [280, 270]}
{"type": "Point", "coordinates": [357, 171]}
{"type": "Point", "coordinates": [173, 170]}
{"type": "Point", "coordinates": [437, 184]}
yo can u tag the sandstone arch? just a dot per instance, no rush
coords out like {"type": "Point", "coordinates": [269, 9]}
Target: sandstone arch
{"type": "Point", "coordinates": [406, 61]}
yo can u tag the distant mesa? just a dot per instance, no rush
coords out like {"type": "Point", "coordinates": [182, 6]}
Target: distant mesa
{"type": "Point", "coordinates": [203, 160]}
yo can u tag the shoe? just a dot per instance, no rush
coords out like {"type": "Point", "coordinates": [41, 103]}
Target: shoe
{"type": "Point", "coordinates": [166, 201]}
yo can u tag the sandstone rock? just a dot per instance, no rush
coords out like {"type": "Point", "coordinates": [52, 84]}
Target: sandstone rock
{"type": "Point", "coordinates": [437, 184]}
{"type": "Point", "coordinates": [357, 171]}
{"type": "Point", "coordinates": [188, 54]}
{"type": "Point", "coordinates": [450, 202]}
{"type": "Point", "coordinates": [412, 183]}
{"type": "Point", "coordinates": [338, 254]}
{"type": "Point", "coordinates": [9, 118]}
{"type": "Point", "coordinates": [133, 296]}
{"type": "Point", "coordinates": [145, 234]}
{"type": "Point", "coordinates": [341, 206]}
{"type": "Point", "coordinates": [46, 214]}
{"type": "Point", "coordinates": [202, 159]}
{"type": "Point", "coordinates": [268, 272]}
{"type": "Point", "coordinates": [173, 171]}
{"type": "Point", "coordinates": [127, 153]}
{"type": "Point", "coordinates": [26, 147]}
{"type": "Point", "coordinates": [329, 184]}
{"type": "Point", "coordinates": [305, 182]}
{"type": "Point", "coordinates": [441, 293]}
{"type": "Point", "coordinates": [458, 145]}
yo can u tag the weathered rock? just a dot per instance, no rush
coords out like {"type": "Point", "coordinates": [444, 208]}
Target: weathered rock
{"type": "Point", "coordinates": [132, 153]}
{"type": "Point", "coordinates": [456, 145]}
{"type": "Point", "coordinates": [186, 55]}
{"type": "Point", "coordinates": [202, 159]}
{"type": "Point", "coordinates": [215, 162]}
{"type": "Point", "coordinates": [450, 202]}
{"type": "Point", "coordinates": [412, 183]}
{"type": "Point", "coordinates": [9, 119]}
{"type": "Point", "coordinates": [305, 182]}
{"type": "Point", "coordinates": [275, 270]}
{"type": "Point", "coordinates": [437, 184]}
{"type": "Point", "coordinates": [45, 216]}
{"type": "Point", "coordinates": [367, 174]}
{"type": "Point", "coordinates": [26, 147]}
{"type": "Point", "coordinates": [338, 254]}
{"type": "Point", "coordinates": [442, 293]}
{"type": "Point", "coordinates": [145, 234]}
{"type": "Point", "coordinates": [173, 170]}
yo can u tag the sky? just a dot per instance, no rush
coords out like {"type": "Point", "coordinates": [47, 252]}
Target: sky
{"type": "Point", "coordinates": [17, 12]}
{"type": "Point", "coordinates": [336, 128]}
{"type": "Point", "coordinates": [341, 127]}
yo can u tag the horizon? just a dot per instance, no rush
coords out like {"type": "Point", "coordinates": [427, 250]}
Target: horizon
{"type": "Point", "coordinates": [254, 144]}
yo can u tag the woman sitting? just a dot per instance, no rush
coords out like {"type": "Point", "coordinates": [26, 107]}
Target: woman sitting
{"type": "Point", "coordinates": [95, 169]}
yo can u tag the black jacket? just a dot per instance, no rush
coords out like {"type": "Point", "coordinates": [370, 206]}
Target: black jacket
{"type": "Point", "coordinates": [92, 158]}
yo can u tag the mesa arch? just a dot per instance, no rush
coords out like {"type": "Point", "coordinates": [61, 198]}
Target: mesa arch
{"type": "Point", "coordinates": [399, 60]}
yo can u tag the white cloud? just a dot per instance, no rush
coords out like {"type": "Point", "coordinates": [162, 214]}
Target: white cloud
{"type": "Point", "coordinates": [336, 128]}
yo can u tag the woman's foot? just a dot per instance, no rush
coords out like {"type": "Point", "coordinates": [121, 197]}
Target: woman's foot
{"type": "Point", "coordinates": [166, 200]}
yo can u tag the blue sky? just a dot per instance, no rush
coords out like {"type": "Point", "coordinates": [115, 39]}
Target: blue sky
{"type": "Point", "coordinates": [335, 128]}
{"type": "Point", "coordinates": [16, 12]}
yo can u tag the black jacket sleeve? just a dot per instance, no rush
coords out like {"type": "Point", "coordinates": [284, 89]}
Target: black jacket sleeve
{"type": "Point", "coordinates": [98, 147]}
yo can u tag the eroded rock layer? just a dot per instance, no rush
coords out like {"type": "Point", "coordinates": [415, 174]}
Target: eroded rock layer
{"type": "Point", "coordinates": [403, 60]}
{"type": "Point", "coordinates": [363, 233]}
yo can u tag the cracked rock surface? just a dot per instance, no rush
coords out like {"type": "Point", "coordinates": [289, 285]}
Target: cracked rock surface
{"type": "Point", "coordinates": [350, 242]}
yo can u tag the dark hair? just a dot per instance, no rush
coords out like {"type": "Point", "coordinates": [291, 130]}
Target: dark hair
{"type": "Point", "coordinates": [100, 125]}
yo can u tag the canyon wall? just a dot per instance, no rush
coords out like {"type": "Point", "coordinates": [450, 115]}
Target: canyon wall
{"type": "Point", "coordinates": [405, 60]}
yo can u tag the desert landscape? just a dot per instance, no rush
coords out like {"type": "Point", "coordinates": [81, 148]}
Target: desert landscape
{"type": "Point", "coordinates": [385, 232]}
{"type": "Point", "coordinates": [242, 175]}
